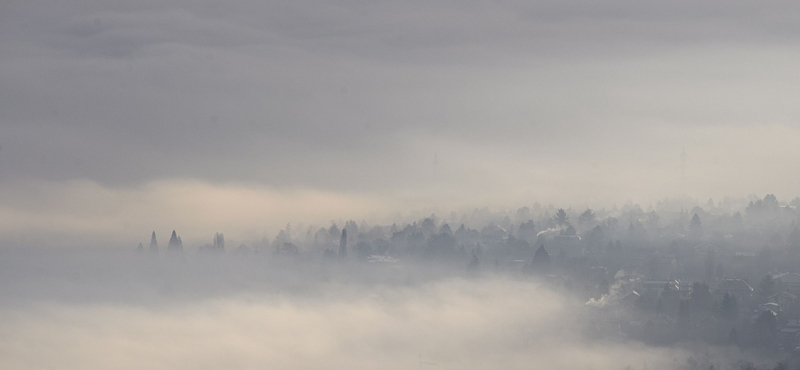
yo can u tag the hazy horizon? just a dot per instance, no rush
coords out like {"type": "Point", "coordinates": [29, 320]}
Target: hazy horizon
{"type": "Point", "coordinates": [115, 112]}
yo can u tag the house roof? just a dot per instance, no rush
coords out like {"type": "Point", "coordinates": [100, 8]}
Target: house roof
{"type": "Point", "coordinates": [375, 258]}
{"type": "Point", "coordinates": [734, 284]}
{"type": "Point", "coordinates": [787, 277]}
{"type": "Point", "coordinates": [672, 234]}
{"type": "Point", "coordinates": [630, 297]}
{"type": "Point", "coordinates": [784, 294]}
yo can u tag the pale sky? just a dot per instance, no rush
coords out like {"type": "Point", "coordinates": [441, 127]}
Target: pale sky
{"type": "Point", "coordinates": [120, 117]}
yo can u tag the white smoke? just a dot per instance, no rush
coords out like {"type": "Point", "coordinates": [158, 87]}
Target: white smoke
{"type": "Point", "coordinates": [614, 292]}
{"type": "Point", "coordinates": [551, 231]}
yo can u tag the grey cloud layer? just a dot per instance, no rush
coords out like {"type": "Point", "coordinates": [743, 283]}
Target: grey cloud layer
{"type": "Point", "coordinates": [358, 96]}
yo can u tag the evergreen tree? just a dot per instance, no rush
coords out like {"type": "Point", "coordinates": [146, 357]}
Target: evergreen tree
{"type": "Point", "coordinates": [527, 231]}
{"type": "Point", "coordinates": [766, 287]}
{"type": "Point", "coordinates": [445, 229]}
{"type": "Point", "coordinates": [474, 263]}
{"type": "Point", "coordinates": [363, 250]}
{"type": "Point", "coordinates": [670, 299]}
{"type": "Point", "coordinates": [794, 238]}
{"type": "Point", "coordinates": [352, 228]}
{"type": "Point", "coordinates": [696, 227]}
{"type": "Point", "coordinates": [587, 217]}
{"type": "Point", "coordinates": [561, 217]}
{"type": "Point", "coordinates": [153, 244]}
{"type": "Point", "coordinates": [729, 307]}
{"type": "Point", "coordinates": [333, 232]}
{"type": "Point", "coordinates": [219, 242]}
{"type": "Point", "coordinates": [343, 244]}
{"type": "Point", "coordinates": [683, 314]}
{"type": "Point", "coordinates": [541, 261]}
{"type": "Point", "coordinates": [709, 264]}
{"type": "Point", "coordinates": [765, 326]}
{"type": "Point", "coordinates": [652, 220]}
{"type": "Point", "coordinates": [700, 297]}
{"type": "Point", "coordinates": [288, 249]}
{"type": "Point", "coordinates": [175, 244]}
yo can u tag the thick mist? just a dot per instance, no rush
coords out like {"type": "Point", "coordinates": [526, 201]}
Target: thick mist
{"type": "Point", "coordinates": [340, 184]}
{"type": "Point", "coordinates": [133, 312]}
{"type": "Point", "coordinates": [95, 309]}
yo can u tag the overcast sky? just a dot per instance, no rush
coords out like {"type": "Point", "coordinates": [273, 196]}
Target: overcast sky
{"type": "Point", "coordinates": [120, 117]}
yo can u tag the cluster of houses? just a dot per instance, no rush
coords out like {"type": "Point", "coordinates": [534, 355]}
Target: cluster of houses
{"type": "Point", "coordinates": [727, 277]}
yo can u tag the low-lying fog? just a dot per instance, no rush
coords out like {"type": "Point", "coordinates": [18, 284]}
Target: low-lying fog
{"type": "Point", "coordinates": [104, 310]}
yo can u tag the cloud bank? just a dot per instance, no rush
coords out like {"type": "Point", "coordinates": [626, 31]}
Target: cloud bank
{"type": "Point", "coordinates": [453, 324]}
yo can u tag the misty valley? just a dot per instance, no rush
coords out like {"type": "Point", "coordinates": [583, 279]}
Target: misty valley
{"type": "Point", "coordinates": [666, 288]}
{"type": "Point", "coordinates": [362, 185]}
